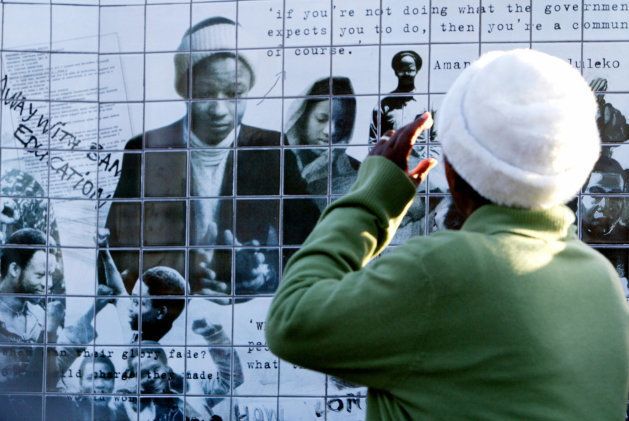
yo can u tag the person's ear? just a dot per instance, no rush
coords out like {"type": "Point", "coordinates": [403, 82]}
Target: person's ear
{"type": "Point", "coordinates": [14, 270]}
{"type": "Point", "coordinates": [450, 176]}
{"type": "Point", "coordinates": [162, 312]}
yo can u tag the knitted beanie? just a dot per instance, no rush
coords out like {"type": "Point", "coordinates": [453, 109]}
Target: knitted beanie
{"type": "Point", "coordinates": [212, 36]}
{"type": "Point", "coordinates": [519, 126]}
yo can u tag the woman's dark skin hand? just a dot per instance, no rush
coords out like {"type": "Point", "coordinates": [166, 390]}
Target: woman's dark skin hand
{"type": "Point", "coordinates": [396, 146]}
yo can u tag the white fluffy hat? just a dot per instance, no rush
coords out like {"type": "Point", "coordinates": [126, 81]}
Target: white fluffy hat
{"type": "Point", "coordinates": [519, 126]}
{"type": "Point", "coordinates": [215, 35]}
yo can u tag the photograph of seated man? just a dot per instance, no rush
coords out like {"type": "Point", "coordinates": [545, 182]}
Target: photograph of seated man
{"type": "Point", "coordinates": [216, 81]}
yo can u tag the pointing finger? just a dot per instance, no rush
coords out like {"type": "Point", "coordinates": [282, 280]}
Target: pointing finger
{"type": "Point", "coordinates": [419, 125]}
{"type": "Point", "coordinates": [419, 173]}
{"type": "Point", "coordinates": [405, 138]}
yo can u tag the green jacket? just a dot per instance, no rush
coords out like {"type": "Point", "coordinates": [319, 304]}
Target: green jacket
{"type": "Point", "coordinates": [511, 318]}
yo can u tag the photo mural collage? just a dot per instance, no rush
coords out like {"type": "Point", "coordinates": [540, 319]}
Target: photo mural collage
{"type": "Point", "coordinates": [160, 160]}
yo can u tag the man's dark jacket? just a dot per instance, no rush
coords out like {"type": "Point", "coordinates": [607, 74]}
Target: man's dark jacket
{"type": "Point", "coordinates": [165, 167]}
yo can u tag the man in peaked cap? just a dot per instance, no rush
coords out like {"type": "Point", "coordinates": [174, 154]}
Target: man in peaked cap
{"type": "Point", "coordinates": [512, 317]}
{"type": "Point", "coordinates": [215, 78]}
{"type": "Point", "coordinates": [392, 113]}
{"type": "Point", "coordinates": [400, 108]}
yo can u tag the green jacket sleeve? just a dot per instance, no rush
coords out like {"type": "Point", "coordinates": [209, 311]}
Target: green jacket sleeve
{"type": "Point", "coordinates": [332, 313]}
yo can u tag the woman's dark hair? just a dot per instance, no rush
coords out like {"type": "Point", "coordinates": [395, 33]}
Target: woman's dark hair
{"type": "Point", "coordinates": [332, 87]}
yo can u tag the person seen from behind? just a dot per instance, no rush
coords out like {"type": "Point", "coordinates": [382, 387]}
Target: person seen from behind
{"type": "Point", "coordinates": [511, 317]}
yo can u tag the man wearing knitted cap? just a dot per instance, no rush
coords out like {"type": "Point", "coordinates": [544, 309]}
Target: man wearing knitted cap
{"type": "Point", "coordinates": [215, 78]}
{"type": "Point", "coordinates": [512, 317]}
